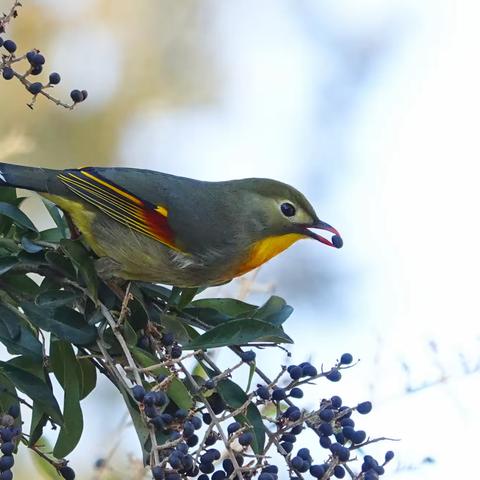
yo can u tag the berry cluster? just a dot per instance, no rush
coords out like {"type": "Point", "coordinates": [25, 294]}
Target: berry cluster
{"type": "Point", "coordinates": [35, 61]}
{"type": "Point", "coordinates": [189, 448]}
{"type": "Point", "coordinates": [9, 434]}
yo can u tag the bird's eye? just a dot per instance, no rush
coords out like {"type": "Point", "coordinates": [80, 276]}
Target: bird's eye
{"type": "Point", "coordinates": [287, 209]}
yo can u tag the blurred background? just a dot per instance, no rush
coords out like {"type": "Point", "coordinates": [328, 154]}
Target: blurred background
{"type": "Point", "coordinates": [370, 107]}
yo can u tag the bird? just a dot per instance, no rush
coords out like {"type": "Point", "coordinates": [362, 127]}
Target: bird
{"type": "Point", "coordinates": [156, 227]}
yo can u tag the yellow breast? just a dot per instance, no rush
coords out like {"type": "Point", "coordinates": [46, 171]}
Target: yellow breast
{"type": "Point", "coordinates": [265, 249]}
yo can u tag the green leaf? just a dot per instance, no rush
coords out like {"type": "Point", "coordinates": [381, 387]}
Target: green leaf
{"type": "Point", "coordinates": [6, 263]}
{"type": "Point", "coordinates": [175, 325]}
{"type": "Point", "coordinates": [227, 306]}
{"type": "Point", "coordinates": [235, 397]}
{"type": "Point", "coordinates": [57, 216]}
{"type": "Point", "coordinates": [84, 263]}
{"type": "Point", "coordinates": [8, 395]}
{"type": "Point", "coordinates": [56, 298]}
{"type": "Point", "coordinates": [88, 375]}
{"type": "Point", "coordinates": [35, 387]}
{"type": "Point", "coordinates": [21, 284]}
{"type": "Point", "coordinates": [274, 311]}
{"type": "Point", "coordinates": [208, 316]}
{"type": "Point", "coordinates": [177, 390]}
{"type": "Point", "coordinates": [143, 432]}
{"type": "Point", "coordinates": [29, 245]}
{"type": "Point", "coordinates": [52, 235]}
{"type": "Point", "coordinates": [17, 336]}
{"type": "Point", "coordinates": [37, 423]}
{"type": "Point", "coordinates": [239, 332]}
{"type": "Point", "coordinates": [187, 295]}
{"type": "Point", "coordinates": [19, 218]}
{"type": "Point", "coordinates": [60, 263]}
{"type": "Point", "coordinates": [67, 371]}
{"type": "Point", "coordinates": [153, 290]}
{"type": "Point", "coordinates": [46, 470]}
{"type": "Point", "coordinates": [66, 323]}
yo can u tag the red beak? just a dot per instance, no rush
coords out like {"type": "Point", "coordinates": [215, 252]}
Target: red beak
{"type": "Point", "coordinates": [336, 240]}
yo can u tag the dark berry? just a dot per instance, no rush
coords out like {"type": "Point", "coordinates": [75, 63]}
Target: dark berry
{"type": "Point", "coordinates": [279, 394]}
{"type": "Point", "coordinates": [8, 448]}
{"type": "Point", "coordinates": [364, 407]}
{"type": "Point", "coordinates": [67, 473]}
{"type": "Point", "coordinates": [6, 475]}
{"type": "Point", "coordinates": [149, 399]}
{"type": "Point", "coordinates": [167, 418]}
{"type": "Point", "coordinates": [188, 429]}
{"type": "Point", "coordinates": [340, 438]}
{"type": "Point", "coordinates": [143, 342]}
{"type": "Point", "coordinates": [210, 456]}
{"type": "Point", "coordinates": [1, 41]}
{"type": "Point", "coordinates": [35, 88]}
{"type": "Point", "coordinates": [192, 440]}
{"type": "Point", "coordinates": [6, 462]}
{"type": "Point", "coordinates": [203, 476]}
{"type": "Point", "coordinates": [207, 467]}
{"type": "Point", "coordinates": [326, 429]}
{"type": "Point", "coordinates": [304, 453]}
{"type": "Point", "coordinates": [337, 241]}
{"type": "Point", "coordinates": [168, 339]}
{"type": "Point", "coordinates": [150, 411]}
{"type": "Point", "coordinates": [359, 437]}
{"type": "Point", "coordinates": [176, 351]}
{"type": "Point", "coordinates": [293, 414]}
{"type": "Point", "coordinates": [248, 356]}
{"type": "Point", "coordinates": [7, 73]}
{"type": "Point", "coordinates": [348, 432]}
{"type": "Point", "coordinates": [160, 398]}
{"type": "Point", "coordinates": [187, 463]}
{"type": "Point", "coordinates": [217, 404]}
{"type": "Point", "coordinates": [36, 70]}
{"type": "Point", "coordinates": [309, 370]}
{"type": "Point", "coordinates": [172, 476]}
{"type": "Point", "coordinates": [233, 427]}
{"type": "Point", "coordinates": [334, 376]}
{"type": "Point", "coordinates": [245, 439]}
{"type": "Point", "coordinates": [219, 475]}
{"type": "Point", "coordinates": [296, 392]}
{"type": "Point", "coordinates": [138, 393]}
{"type": "Point", "coordinates": [7, 434]}
{"type": "Point", "coordinates": [347, 422]}
{"type": "Point", "coordinates": [339, 471]}
{"type": "Point", "coordinates": [209, 384]}
{"type": "Point", "coordinates": [10, 46]}
{"type": "Point", "coordinates": [76, 96]}
{"type": "Point", "coordinates": [211, 440]}
{"type": "Point", "coordinates": [388, 456]}
{"type": "Point", "coordinates": [287, 446]}
{"type": "Point", "coordinates": [325, 441]}
{"type": "Point", "coordinates": [297, 463]}
{"type": "Point", "coordinates": [158, 473]}
{"type": "Point", "coordinates": [295, 372]}
{"type": "Point", "coordinates": [336, 401]}
{"type": "Point", "coordinates": [326, 414]}
{"type": "Point", "coordinates": [175, 461]}
{"type": "Point", "coordinates": [288, 437]}
{"type": "Point", "coordinates": [346, 359]}
{"type": "Point", "coordinates": [263, 392]}
{"type": "Point", "coordinates": [296, 430]}
{"type": "Point", "coordinates": [270, 469]}
{"type": "Point", "coordinates": [340, 451]}
{"type": "Point", "coordinates": [227, 465]}
{"type": "Point", "coordinates": [30, 56]}
{"type": "Point", "coordinates": [181, 414]}
{"type": "Point", "coordinates": [37, 60]}
{"type": "Point", "coordinates": [317, 471]}
{"type": "Point", "coordinates": [197, 422]}
{"type": "Point", "coordinates": [266, 476]}
{"type": "Point", "coordinates": [207, 418]}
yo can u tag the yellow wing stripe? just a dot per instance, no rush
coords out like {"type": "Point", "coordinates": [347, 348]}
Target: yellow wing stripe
{"type": "Point", "coordinates": [96, 191]}
{"type": "Point", "coordinates": [112, 187]}
{"type": "Point", "coordinates": [126, 221]}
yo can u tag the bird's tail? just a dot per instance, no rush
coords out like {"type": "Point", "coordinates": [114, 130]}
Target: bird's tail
{"type": "Point", "coordinates": [30, 178]}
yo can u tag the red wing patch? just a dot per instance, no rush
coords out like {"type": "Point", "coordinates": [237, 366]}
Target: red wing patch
{"type": "Point", "coordinates": [118, 203]}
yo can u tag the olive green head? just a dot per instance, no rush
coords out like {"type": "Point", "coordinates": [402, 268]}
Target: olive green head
{"type": "Point", "coordinates": [276, 208]}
